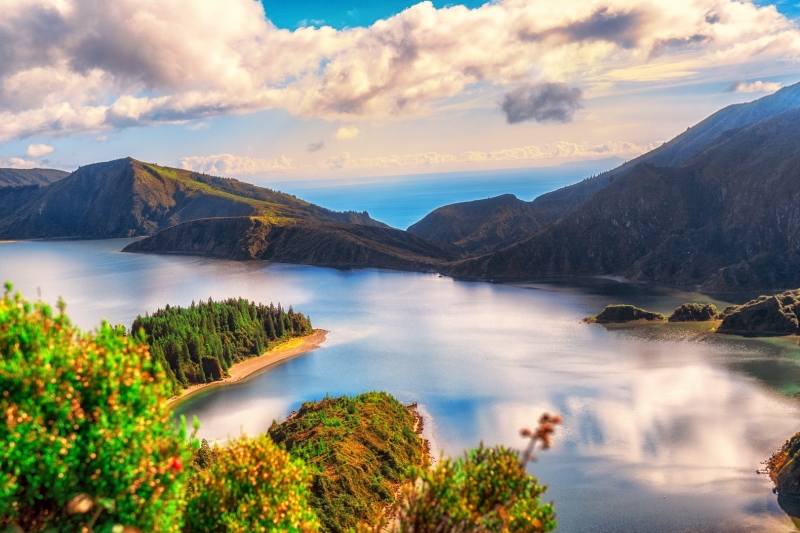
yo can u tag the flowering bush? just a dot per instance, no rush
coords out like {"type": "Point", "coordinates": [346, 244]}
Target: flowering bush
{"type": "Point", "coordinates": [486, 490]}
{"type": "Point", "coordinates": [251, 485]}
{"type": "Point", "coordinates": [86, 438]}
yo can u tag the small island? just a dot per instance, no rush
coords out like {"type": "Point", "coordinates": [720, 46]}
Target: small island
{"type": "Point", "coordinates": [622, 313]}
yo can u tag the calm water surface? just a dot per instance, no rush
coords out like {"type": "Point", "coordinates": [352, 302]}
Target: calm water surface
{"type": "Point", "coordinates": [664, 428]}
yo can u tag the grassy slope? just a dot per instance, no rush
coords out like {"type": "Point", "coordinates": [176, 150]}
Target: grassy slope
{"type": "Point", "coordinates": [359, 450]}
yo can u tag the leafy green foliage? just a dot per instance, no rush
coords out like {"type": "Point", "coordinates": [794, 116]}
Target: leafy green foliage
{"type": "Point", "coordinates": [250, 485]}
{"type": "Point", "coordinates": [486, 490]}
{"type": "Point", "coordinates": [358, 449]}
{"type": "Point", "coordinates": [84, 416]}
{"type": "Point", "coordinates": [199, 343]}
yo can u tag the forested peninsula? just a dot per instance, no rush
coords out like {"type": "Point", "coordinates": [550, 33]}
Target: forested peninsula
{"type": "Point", "coordinates": [200, 343]}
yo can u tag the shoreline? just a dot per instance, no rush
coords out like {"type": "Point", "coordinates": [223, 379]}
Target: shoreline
{"type": "Point", "coordinates": [244, 369]}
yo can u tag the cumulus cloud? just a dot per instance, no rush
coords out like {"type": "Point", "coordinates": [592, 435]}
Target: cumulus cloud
{"type": "Point", "coordinates": [547, 151]}
{"type": "Point", "coordinates": [315, 147]}
{"type": "Point", "coordinates": [543, 102]}
{"type": "Point", "coordinates": [345, 133]}
{"type": "Point", "coordinates": [77, 66]}
{"type": "Point", "coordinates": [38, 150]}
{"type": "Point", "coordinates": [233, 165]}
{"type": "Point", "coordinates": [755, 87]}
{"type": "Point", "coordinates": [16, 162]}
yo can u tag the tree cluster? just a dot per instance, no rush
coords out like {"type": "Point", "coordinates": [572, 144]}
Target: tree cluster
{"type": "Point", "coordinates": [198, 344]}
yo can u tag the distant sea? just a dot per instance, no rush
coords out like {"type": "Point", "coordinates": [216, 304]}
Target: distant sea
{"type": "Point", "coordinates": [403, 200]}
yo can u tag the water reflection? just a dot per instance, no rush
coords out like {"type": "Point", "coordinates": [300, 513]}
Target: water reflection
{"type": "Point", "coordinates": [664, 426]}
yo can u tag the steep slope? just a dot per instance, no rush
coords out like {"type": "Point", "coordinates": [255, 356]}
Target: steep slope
{"type": "Point", "coordinates": [547, 208]}
{"type": "Point", "coordinates": [302, 242]}
{"type": "Point", "coordinates": [479, 226]}
{"type": "Point", "coordinates": [126, 198]}
{"type": "Point", "coordinates": [729, 220]}
{"type": "Point", "coordinates": [15, 177]}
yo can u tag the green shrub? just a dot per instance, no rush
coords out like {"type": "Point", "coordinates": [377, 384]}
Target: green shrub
{"type": "Point", "coordinates": [486, 490]}
{"type": "Point", "coordinates": [250, 485]}
{"type": "Point", "coordinates": [84, 414]}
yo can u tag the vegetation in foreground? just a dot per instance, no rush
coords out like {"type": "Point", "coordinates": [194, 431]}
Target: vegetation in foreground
{"type": "Point", "coordinates": [87, 444]}
{"type": "Point", "coordinates": [359, 451]}
{"type": "Point", "coordinates": [84, 414]}
{"type": "Point", "coordinates": [199, 343]}
{"type": "Point", "coordinates": [488, 489]}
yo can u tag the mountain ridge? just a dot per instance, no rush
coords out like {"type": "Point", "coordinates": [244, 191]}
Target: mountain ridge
{"type": "Point", "coordinates": [551, 206]}
{"type": "Point", "coordinates": [727, 221]}
{"type": "Point", "coordinates": [129, 198]}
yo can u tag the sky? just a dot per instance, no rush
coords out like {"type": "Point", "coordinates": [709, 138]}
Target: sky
{"type": "Point", "coordinates": [317, 89]}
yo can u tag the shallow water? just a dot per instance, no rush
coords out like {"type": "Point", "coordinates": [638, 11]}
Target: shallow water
{"type": "Point", "coordinates": [664, 427]}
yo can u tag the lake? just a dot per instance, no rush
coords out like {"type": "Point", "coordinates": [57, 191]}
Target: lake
{"type": "Point", "coordinates": [664, 428]}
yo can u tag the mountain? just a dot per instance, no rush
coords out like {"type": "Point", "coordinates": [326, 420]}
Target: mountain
{"type": "Point", "coordinates": [477, 236]}
{"type": "Point", "coordinates": [728, 219]}
{"type": "Point", "coordinates": [308, 242]}
{"type": "Point", "coordinates": [19, 177]}
{"type": "Point", "coordinates": [479, 226]}
{"type": "Point", "coordinates": [127, 198]}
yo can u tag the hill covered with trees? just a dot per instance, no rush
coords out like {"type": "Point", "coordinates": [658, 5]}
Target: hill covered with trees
{"type": "Point", "coordinates": [198, 344]}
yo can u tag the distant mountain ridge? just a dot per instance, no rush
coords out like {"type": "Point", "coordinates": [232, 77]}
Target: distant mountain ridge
{"type": "Point", "coordinates": [129, 198]}
{"type": "Point", "coordinates": [551, 206]}
{"type": "Point", "coordinates": [716, 208]}
{"type": "Point", "coordinates": [21, 177]}
{"type": "Point", "coordinates": [727, 219]}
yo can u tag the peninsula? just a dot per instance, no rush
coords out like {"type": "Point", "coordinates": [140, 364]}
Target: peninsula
{"type": "Point", "coordinates": [239, 371]}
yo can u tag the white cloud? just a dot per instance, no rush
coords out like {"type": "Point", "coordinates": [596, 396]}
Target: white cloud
{"type": "Point", "coordinates": [76, 66]}
{"type": "Point", "coordinates": [16, 162]}
{"type": "Point", "coordinates": [346, 132]}
{"type": "Point", "coordinates": [38, 150]}
{"type": "Point", "coordinates": [557, 150]}
{"type": "Point", "coordinates": [755, 87]}
{"type": "Point", "coordinates": [233, 165]}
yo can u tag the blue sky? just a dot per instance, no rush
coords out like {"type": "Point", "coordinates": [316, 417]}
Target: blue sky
{"type": "Point", "coordinates": [267, 90]}
{"type": "Point", "coordinates": [365, 12]}
{"type": "Point", "coordinates": [339, 14]}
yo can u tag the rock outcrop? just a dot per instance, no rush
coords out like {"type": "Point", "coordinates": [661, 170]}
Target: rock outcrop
{"type": "Point", "coordinates": [694, 313]}
{"type": "Point", "coordinates": [784, 468]}
{"type": "Point", "coordinates": [619, 314]}
{"type": "Point", "coordinates": [764, 316]}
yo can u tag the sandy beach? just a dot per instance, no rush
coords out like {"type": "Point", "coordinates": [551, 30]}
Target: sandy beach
{"type": "Point", "coordinates": [239, 371]}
